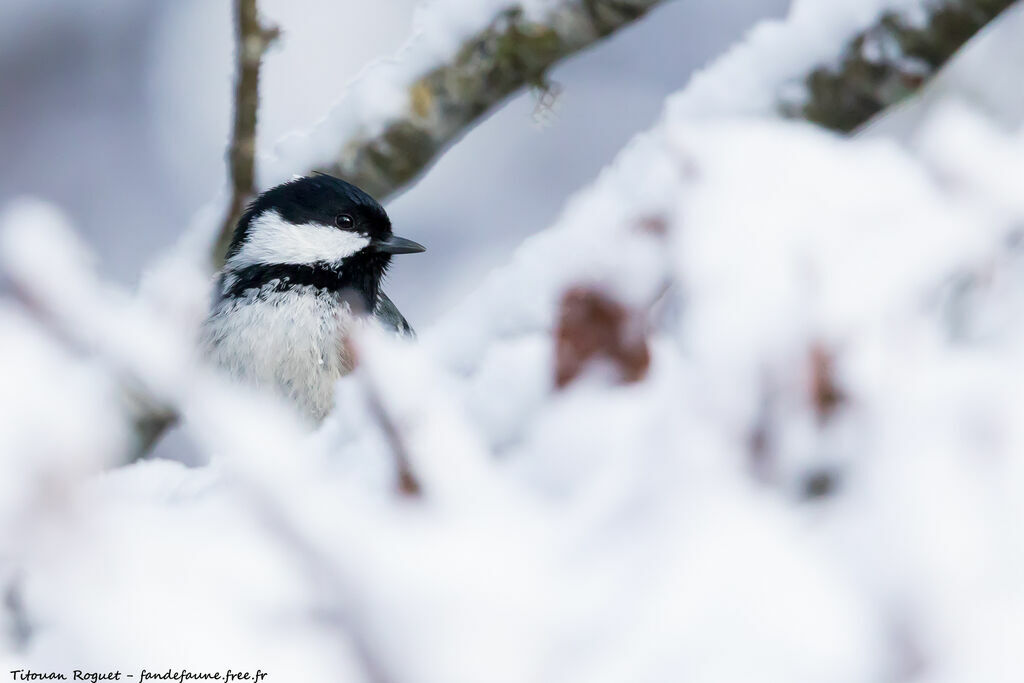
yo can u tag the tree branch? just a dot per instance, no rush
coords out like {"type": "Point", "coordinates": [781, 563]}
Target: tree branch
{"type": "Point", "coordinates": [252, 40]}
{"type": "Point", "coordinates": [513, 51]}
{"type": "Point", "coordinates": [890, 61]}
{"type": "Point", "coordinates": [406, 482]}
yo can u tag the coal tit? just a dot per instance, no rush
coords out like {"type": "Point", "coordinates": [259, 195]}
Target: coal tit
{"type": "Point", "coordinates": [307, 257]}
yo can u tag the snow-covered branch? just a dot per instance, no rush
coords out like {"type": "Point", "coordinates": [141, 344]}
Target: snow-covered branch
{"type": "Point", "coordinates": [429, 110]}
{"type": "Point", "coordinates": [252, 39]}
{"type": "Point", "coordinates": [890, 61]}
{"type": "Point", "coordinates": [839, 85]}
{"type": "Point", "coordinates": [835, 63]}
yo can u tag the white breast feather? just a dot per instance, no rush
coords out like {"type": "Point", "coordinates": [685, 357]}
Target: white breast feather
{"type": "Point", "coordinates": [290, 342]}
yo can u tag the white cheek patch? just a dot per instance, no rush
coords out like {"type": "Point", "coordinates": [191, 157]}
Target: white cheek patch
{"type": "Point", "coordinates": [271, 239]}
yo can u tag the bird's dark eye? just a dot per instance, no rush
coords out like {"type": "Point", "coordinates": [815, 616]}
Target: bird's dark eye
{"type": "Point", "coordinates": [344, 221]}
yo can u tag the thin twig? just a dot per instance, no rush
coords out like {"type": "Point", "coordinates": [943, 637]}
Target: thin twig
{"type": "Point", "coordinates": [252, 40]}
{"type": "Point", "coordinates": [406, 482]}
{"type": "Point", "coordinates": [151, 418]}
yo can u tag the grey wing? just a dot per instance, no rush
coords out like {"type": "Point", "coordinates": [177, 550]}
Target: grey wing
{"type": "Point", "coordinates": [390, 317]}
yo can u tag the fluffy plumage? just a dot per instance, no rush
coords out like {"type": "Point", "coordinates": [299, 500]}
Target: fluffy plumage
{"type": "Point", "coordinates": [306, 260]}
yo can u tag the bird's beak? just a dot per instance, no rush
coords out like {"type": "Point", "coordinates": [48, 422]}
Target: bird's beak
{"type": "Point", "coordinates": [397, 245]}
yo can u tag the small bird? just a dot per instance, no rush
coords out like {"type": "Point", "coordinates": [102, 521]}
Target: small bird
{"type": "Point", "coordinates": [307, 258]}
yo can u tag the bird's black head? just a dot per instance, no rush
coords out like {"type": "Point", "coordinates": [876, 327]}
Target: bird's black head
{"type": "Point", "coordinates": [317, 230]}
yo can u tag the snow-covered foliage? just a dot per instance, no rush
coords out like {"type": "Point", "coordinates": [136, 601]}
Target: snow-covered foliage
{"type": "Point", "coordinates": [749, 411]}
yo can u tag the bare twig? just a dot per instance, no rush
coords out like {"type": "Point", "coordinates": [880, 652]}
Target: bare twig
{"type": "Point", "coordinates": [826, 394]}
{"type": "Point", "coordinates": [253, 39]}
{"type": "Point", "coordinates": [512, 52]}
{"type": "Point", "coordinates": [406, 482]}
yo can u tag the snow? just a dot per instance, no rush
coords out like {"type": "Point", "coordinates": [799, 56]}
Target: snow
{"type": "Point", "coordinates": [776, 56]}
{"type": "Point", "coordinates": [817, 479]}
{"type": "Point", "coordinates": [380, 93]}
